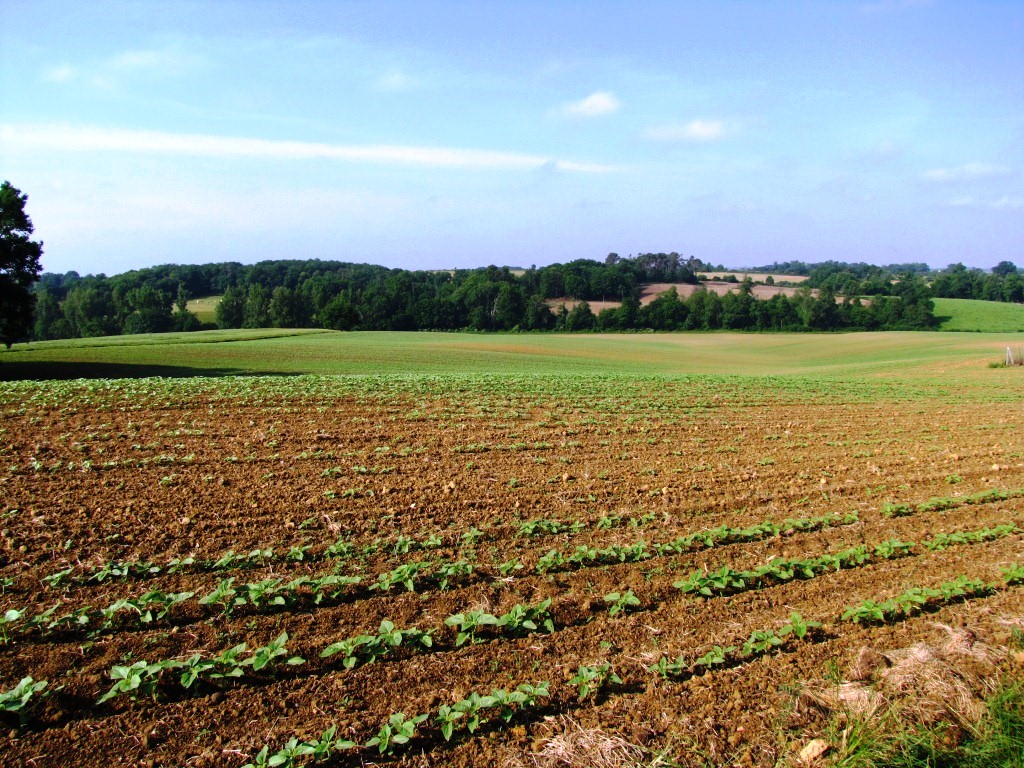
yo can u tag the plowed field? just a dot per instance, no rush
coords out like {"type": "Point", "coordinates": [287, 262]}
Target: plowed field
{"type": "Point", "coordinates": [148, 521]}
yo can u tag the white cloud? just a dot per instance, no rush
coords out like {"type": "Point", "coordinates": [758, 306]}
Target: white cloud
{"type": "Point", "coordinates": [1007, 203]}
{"type": "Point", "coordinates": [966, 172]}
{"type": "Point", "coordinates": [394, 80]}
{"type": "Point", "coordinates": [63, 73]}
{"type": "Point", "coordinates": [1004, 203]}
{"type": "Point", "coordinates": [62, 138]}
{"type": "Point", "coordinates": [594, 105]}
{"type": "Point", "coordinates": [695, 130]}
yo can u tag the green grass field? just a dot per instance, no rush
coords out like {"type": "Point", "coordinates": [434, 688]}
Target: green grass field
{"type": "Point", "coordinates": [961, 359]}
{"type": "Point", "coordinates": [972, 315]}
{"type": "Point", "coordinates": [205, 308]}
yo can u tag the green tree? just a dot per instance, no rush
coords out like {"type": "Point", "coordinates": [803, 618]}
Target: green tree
{"type": "Point", "coordinates": [19, 265]}
{"type": "Point", "coordinates": [230, 310]}
{"type": "Point", "coordinates": [150, 311]}
{"type": "Point", "coordinates": [580, 318]}
{"type": "Point", "coordinates": [183, 318]}
{"type": "Point", "coordinates": [257, 307]}
{"type": "Point", "coordinates": [49, 318]}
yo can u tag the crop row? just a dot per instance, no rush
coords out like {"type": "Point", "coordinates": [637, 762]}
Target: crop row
{"type": "Point", "coordinates": [142, 678]}
{"type": "Point", "coordinates": [476, 626]}
{"type": "Point", "coordinates": [273, 593]}
{"type": "Point", "coordinates": [918, 600]}
{"type": "Point", "coordinates": [342, 549]}
{"type": "Point", "coordinates": [940, 503]}
{"type": "Point", "coordinates": [726, 580]}
{"type": "Point", "coordinates": [467, 714]}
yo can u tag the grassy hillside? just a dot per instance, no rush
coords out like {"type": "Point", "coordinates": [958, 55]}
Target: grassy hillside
{"type": "Point", "coordinates": [856, 356]}
{"type": "Point", "coordinates": [205, 308]}
{"type": "Point", "coordinates": [972, 315]}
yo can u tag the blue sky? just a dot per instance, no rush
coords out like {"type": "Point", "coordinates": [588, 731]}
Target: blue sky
{"type": "Point", "coordinates": [442, 134]}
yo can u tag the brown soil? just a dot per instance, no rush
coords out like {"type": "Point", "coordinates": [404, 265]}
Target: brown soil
{"type": "Point", "coordinates": [197, 477]}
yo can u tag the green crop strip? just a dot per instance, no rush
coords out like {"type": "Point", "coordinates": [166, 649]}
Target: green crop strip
{"type": "Point", "coordinates": [727, 581]}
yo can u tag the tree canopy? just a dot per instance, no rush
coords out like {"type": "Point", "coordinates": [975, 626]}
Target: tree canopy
{"type": "Point", "coordinates": [19, 266]}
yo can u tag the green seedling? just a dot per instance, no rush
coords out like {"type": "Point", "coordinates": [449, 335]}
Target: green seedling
{"type": "Point", "coordinates": [138, 679]}
{"type": "Point", "coordinates": [523, 619]}
{"type": "Point", "coordinates": [761, 641]}
{"type": "Point", "coordinates": [396, 731]}
{"type": "Point", "coordinates": [717, 656]}
{"type": "Point", "coordinates": [19, 698]}
{"type": "Point", "coordinates": [896, 510]}
{"type": "Point", "coordinates": [798, 627]}
{"type": "Point", "coordinates": [552, 561]}
{"type": "Point", "coordinates": [621, 602]}
{"type": "Point", "coordinates": [892, 549]}
{"type": "Point", "coordinates": [590, 681]}
{"type": "Point", "coordinates": [867, 612]}
{"type": "Point", "coordinates": [669, 669]}
{"type": "Point", "coordinates": [1013, 574]}
{"type": "Point", "coordinates": [510, 566]}
{"type": "Point", "coordinates": [11, 616]}
{"type": "Point", "coordinates": [469, 624]}
{"type": "Point", "coordinates": [223, 595]}
{"type": "Point", "coordinates": [447, 573]}
{"type": "Point", "coordinates": [58, 579]}
{"type": "Point", "coordinates": [264, 656]}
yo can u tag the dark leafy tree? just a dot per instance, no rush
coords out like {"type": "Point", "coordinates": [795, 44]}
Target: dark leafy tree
{"type": "Point", "coordinates": [230, 312]}
{"type": "Point", "coordinates": [49, 318]}
{"type": "Point", "coordinates": [19, 266]}
{"type": "Point", "coordinates": [150, 311]}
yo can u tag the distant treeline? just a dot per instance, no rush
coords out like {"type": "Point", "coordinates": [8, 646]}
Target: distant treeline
{"type": "Point", "coordinates": [348, 296]}
{"type": "Point", "coordinates": [1002, 283]}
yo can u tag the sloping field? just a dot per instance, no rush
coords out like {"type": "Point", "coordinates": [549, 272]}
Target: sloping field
{"type": "Point", "coordinates": [891, 356]}
{"type": "Point", "coordinates": [205, 308]}
{"type": "Point", "coordinates": [972, 315]}
{"type": "Point", "coordinates": [202, 568]}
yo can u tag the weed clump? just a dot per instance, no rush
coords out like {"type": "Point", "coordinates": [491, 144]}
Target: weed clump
{"type": "Point", "coordinates": [956, 702]}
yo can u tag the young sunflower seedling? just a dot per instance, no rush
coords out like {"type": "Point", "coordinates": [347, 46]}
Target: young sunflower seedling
{"type": "Point", "coordinates": [396, 731]}
{"type": "Point", "coordinates": [590, 681]}
{"type": "Point", "coordinates": [716, 657]}
{"type": "Point", "coordinates": [509, 567]}
{"type": "Point", "coordinates": [798, 627]}
{"type": "Point", "coordinates": [18, 700]}
{"type": "Point", "coordinates": [469, 624]}
{"type": "Point", "coordinates": [275, 649]}
{"type": "Point", "coordinates": [11, 617]}
{"type": "Point", "coordinates": [447, 573]}
{"type": "Point", "coordinates": [761, 641]}
{"type": "Point", "coordinates": [621, 602]}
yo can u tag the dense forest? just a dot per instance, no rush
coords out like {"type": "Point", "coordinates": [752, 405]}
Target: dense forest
{"type": "Point", "coordinates": [346, 296]}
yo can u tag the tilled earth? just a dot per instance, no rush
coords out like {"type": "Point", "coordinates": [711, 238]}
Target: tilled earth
{"type": "Point", "coordinates": [110, 494]}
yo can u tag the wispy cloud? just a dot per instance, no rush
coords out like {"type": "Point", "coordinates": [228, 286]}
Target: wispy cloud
{"type": "Point", "coordinates": [594, 105]}
{"type": "Point", "coordinates": [966, 172]}
{"type": "Point", "coordinates": [395, 80]}
{"type": "Point", "coordinates": [62, 73]}
{"type": "Point", "coordinates": [695, 130]}
{"type": "Point", "coordinates": [1004, 203]}
{"type": "Point", "coordinates": [136, 64]}
{"type": "Point", "coordinates": [62, 138]}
